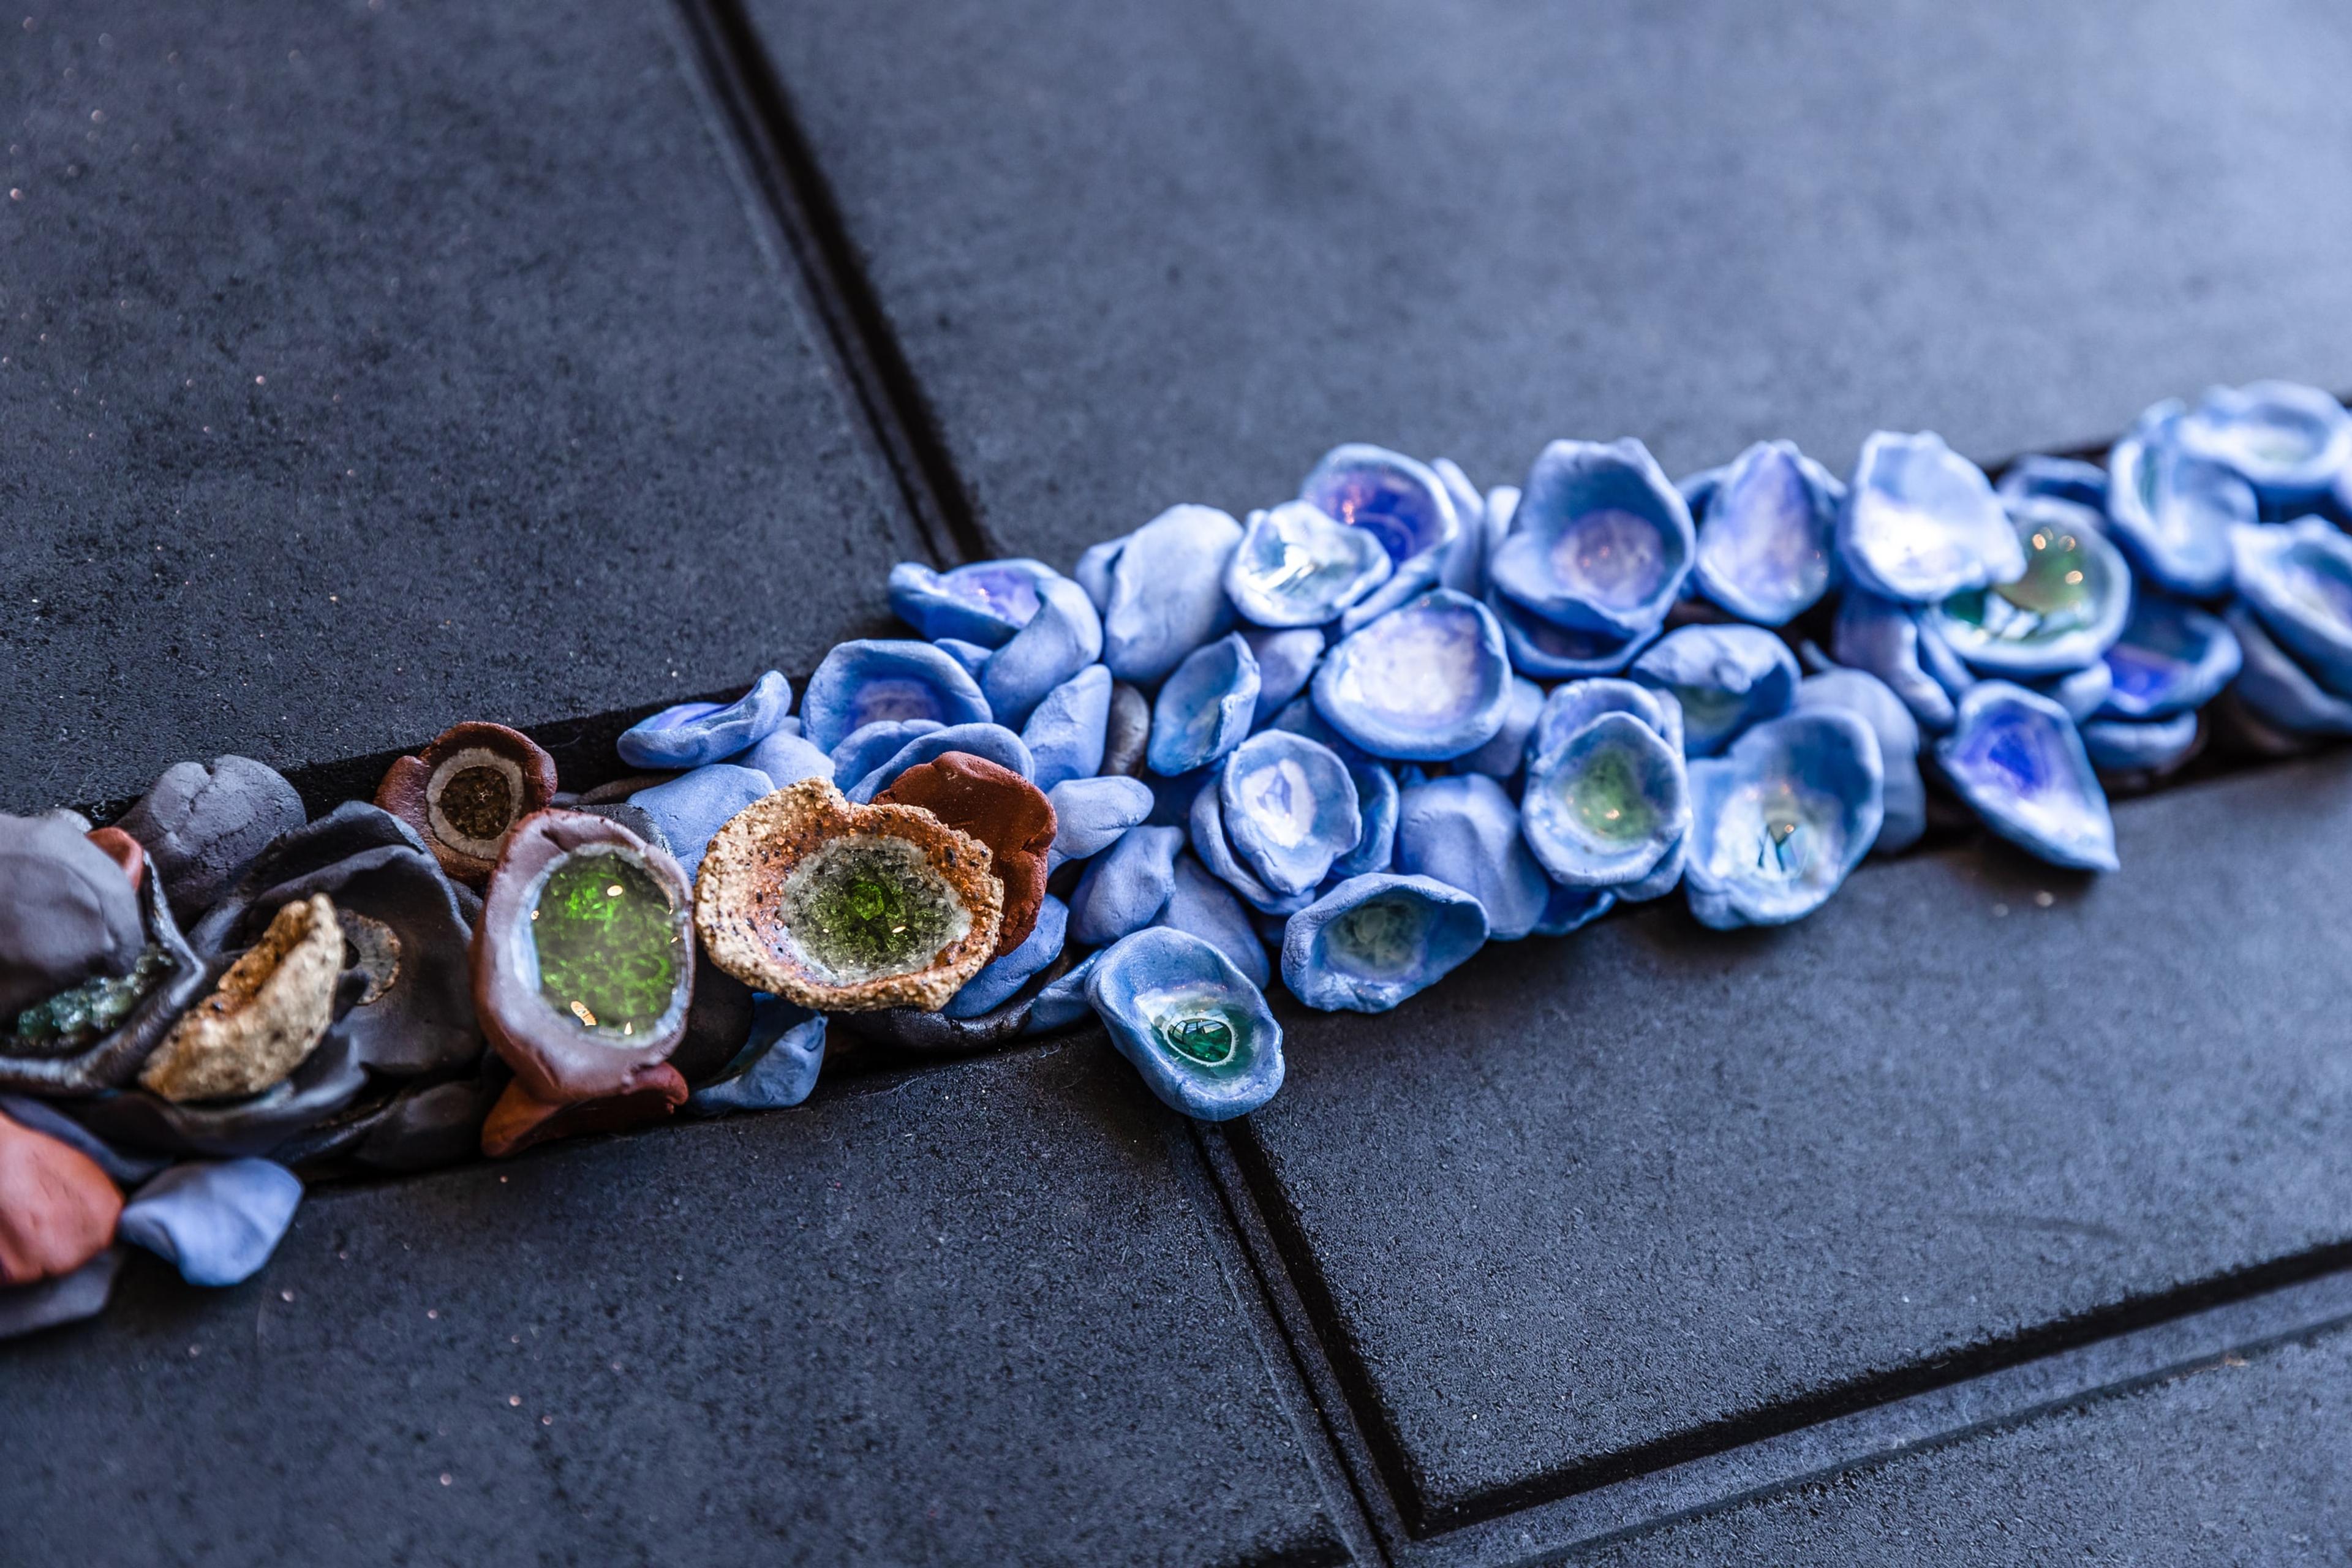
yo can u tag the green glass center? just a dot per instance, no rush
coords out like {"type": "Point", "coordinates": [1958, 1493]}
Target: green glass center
{"type": "Point", "coordinates": [1608, 799]}
{"type": "Point", "coordinates": [82, 1015]}
{"type": "Point", "coordinates": [863, 907]}
{"type": "Point", "coordinates": [1381, 935]}
{"type": "Point", "coordinates": [610, 947]}
{"type": "Point", "coordinates": [1205, 1037]}
{"type": "Point", "coordinates": [2055, 596]}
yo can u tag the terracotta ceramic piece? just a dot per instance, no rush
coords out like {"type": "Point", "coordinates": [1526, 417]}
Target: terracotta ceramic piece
{"type": "Point", "coordinates": [520, 1119]}
{"type": "Point", "coordinates": [58, 1209]}
{"type": "Point", "coordinates": [466, 791]}
{"type": "Point", "coordinates": [847, 908]}
{"type": "Point", "coordinates": [263, 1017]}
{"type": "Point", "coordinates": [583, 960]}
{"type": "Point", "coordinates": [1003, 811]}
{"type": "Point", "coordinates": [123, 850]}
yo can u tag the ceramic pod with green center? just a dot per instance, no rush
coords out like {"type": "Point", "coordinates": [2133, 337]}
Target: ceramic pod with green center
{"type": "Point", "coordinates": [1778, 820]}
{"type": "Point", "coordinates": [584, 961]}
{"type": "Point", "coordinates": [847, 908]}
{"type": "Point", "coordinates": [2064, 610]}
{"type": "Point", "coordinates": [465, 792]}
{"type": "Point", "coordinates": [1192, 1023]}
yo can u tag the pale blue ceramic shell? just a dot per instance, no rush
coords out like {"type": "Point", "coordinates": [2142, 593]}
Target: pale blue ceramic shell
{"type": "Point", "coordinates": [2171, 659]}
{"type": "Point", "coordinates": [1376, 804]}
{"type": "Point", "coordinates": [1464, 832]}
{"type": "Point", "coordinates": [1766, 533]}
{"type": "Point", "coordinates": [693, 733]}
{"type": "Point", "coordinates": [990, 742]}
{"type": "Point", "coordinates": [1606, 806]}
{"type": "Point", "coordinates": [2277, 690]}
{"type": "Point", "coordinates": [1373, 941]}
{"type": "Point", "coordinates": [2171, 510]}
{"type": "Point", "coordinates": [875, 679]}
{"type": "Point", "coordinates": [1883, 638]}
{"type": "Point", "coordinates": [2298, 578]}
{"type": "Point", "coordinates": [1724, 678]}
{"type": "Point", "coordinates": [1600, 543]}
{"type": "Point", "coordinates": [1165, 591]}
{"type": "Point", "coordinates": [1870, 700]}
{"type": "Point", "coordinates": [1289, 809]}
{"type": "Point", "coordinates": [2067, 479]}
{"type": "Point", "coordinates": [2290, 442]}
{"type": "Point", "coordinates": [2017, 760]}
{"type": "Point", "coordinates": [1428, 681]}
{"type": "Point", "coordinates": [868, 746]}
{"type": "Point", "coordinates": [1285, 663]}
{"type": "Point", "coordinates": [1548, 652]}
{"type": "Point", "coordinates": [2128, 746]}
{"type": "Point", "coordinates": [1573, 704]}
{"type": "Point", "coordinates": [1398, 500]}
{"type": "Point", "coordinates": [1573, 909]}
{"type": "Point", "coordinates": [1204, 710]}
{"type": "Point", "coordinates": [1125, 889]}
{"type": "Point", "coordinates": [1921, 523]}
{"type": "Point", "coordinates": [1156, 980]}
{"type": "Point", "coordinates": [697, 804]}
{"type": "Point", "coordinates": [970, 654]}
{"type": "Point", "coordinates": [1066, 733]}
{"type": "Point", "coordinates": [1205, 826]}
{"type": "Point", "coordinates": [2080, 692]}
{"type": "Point", "coordinates": [1201, 905]}
{"type": "Point", "coordinates": [1062, 1001]}
{"type": "Point", "coordinates": [787, 758]}
{"type": "Point", "coordinates": [1502, 757]}
{"type": "Point", "coordinates": [2007, 639]}
{"type": "Point", "coordinates": [1002, 976]}
{"type": "Point", "coordinates": [1089, 815]}
{"type": "Point", "coordinates": [217, 1220]}
{"type": "Point", "coordinates": [983, 603]}
{"type": "Point", "coordinates": [777, 1067]}
{"type": "Point", "coordinates": [1296, 567]}
{"type": "Point", "coordinates": [1780, 819]}
{"type": "Point", "coordinates": [1062, 639]}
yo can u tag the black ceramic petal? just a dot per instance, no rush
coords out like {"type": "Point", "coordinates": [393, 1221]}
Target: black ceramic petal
{"type": "Point", "coordinates": [329, 1079]}
{"type": "Point", "coordinates": [913, 1030]}
{"type": "Point", "coordinates": [113, 1059]}
{"type": "Point", "coordinates": [202, 825]}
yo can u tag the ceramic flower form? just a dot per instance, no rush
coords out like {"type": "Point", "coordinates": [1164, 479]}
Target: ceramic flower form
{"type": "Point", "coordinates": [1192, 1024]}
{"type": "Point", "coordinates": [1399, 500]}
{"type": "Point", "coordinates": [1373, 941]}
{"type": "Point", "coordinates": [1607, 805]}
{"type": "Point", "coordinates": [2298, 578]}
{"type": "Point", "coordinates": [2277, 690]}
{"type": "Point", "coordinates": [1063, 636]}
{"type": "Point", "coordinates": [1297, 566]}
{"type": "Point", "coordinates": [1289, 809]}
{"type": "Point", "coordinates": [2171, 659]}
{"type": "Point", "coordinates": [1600, 543]}
{"type": "Point", "coordinates": [2171, 509]}
{"type": "Point", "coordinates": [1869, 699]}
{"type": "Point", "coordinates": [1723, 680]}
{"type": "Point", "coordinates": [1503, 756]}
{"type": "Point", "coordinates": [2016, 758]}
{"type": "Point", "coordinates": [878, 678]}
{"type": "Point", "coordinates": [1426, 682]}
{"type": "Point", "coordinates": [1162, 590]}
{"type": "Point", "coordinates": [2066, 479]}
{"type": "Point", "coordinates": [2153, 747]}
{"type": "Point", "coordinates": [1889, 640]}
{"type": "Point", "coordinates": [993, 742]}
{"type": "Point", "coordinates": [2060, 613]}
{"type": "Point", "coordinates": [984, 603]}
{"type": "Point", "coordinates": [1921, 523]}
{"type": "Point", "coordinates": [1767, 530]}
{"type": "Point", "coordinates": [1204, 709]}
{"type": "Point", "coordinates": [693, 733]}
{"type": "Point", "coordinates": [1464, 832]}
{"type": "Point", "coordinates": [2290, 442]}
{"type": "Point", "coordinates": [1778, 820]}
{"type": "Point", "coordinates": [1548, 652]}
{"type": "Point", "coordinates": [1205, 826]}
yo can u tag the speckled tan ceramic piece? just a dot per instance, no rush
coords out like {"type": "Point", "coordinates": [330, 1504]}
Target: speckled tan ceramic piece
{"type": "Point", "coordinates": [263, 1019]}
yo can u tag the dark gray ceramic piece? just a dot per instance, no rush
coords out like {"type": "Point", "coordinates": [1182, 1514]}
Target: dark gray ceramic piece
{"type": "Point", "coordinates": [70, 913]}
{"type": "Point", "coordinates": [202, 824]}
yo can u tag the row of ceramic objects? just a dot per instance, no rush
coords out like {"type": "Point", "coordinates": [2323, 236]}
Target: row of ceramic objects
{"type": "Point", "coordinates": [1371, 729]}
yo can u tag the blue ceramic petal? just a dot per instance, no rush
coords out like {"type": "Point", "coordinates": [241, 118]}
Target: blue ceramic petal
{"type": "Point", "coordinates": [1298, 567]}
{"type": "Point", "coordinates": [1376, 804]}
{"type": "Point", "coordinates": [2082, 692]}
{"type": "Point", "coordinates": [1469, 513]}
{"type": "Point", "coordinates": [2290, 442]}
{"type": "Point", "coordinates": [1089, 815]}
{"type": "Point", "coordinates": [874, 678]}
{"type": "Point", "coordinates": [2125, 746]}
{"type": "Point", "coordinates": [1062, 639]}
{"type": "Point", "coordinates": [973, 657]}
{"type": "Point", "coordinates": [1168, 591]}
{"type": "Point", "coordinates": [868, 746]}
{"type": "Point", "coordinates": [1205, 708]}
{"type": "Point", "coordinates": [1289, 809]}
{"type": "Point", "coordinates": [778, 1067]}
{"type": "Point", "coordinates": [2066, 479]}
{"type": "Point", "coordinates": [1192, 1023]}
{"type": "Point", "coordinates": [1372, 942]}
{"type": "Point", "coordinates": [1548, 652]}
{"type": "Point", "coordinates": [1397, 500]}
{"type": "Point", "coordinates": [1200, 905]}
{"type": "Point", "coordinates": [1724, 677]}
{"type": "Point", "coordinates": [2017, 760]}
{"type": "Point", "coordinates": [1426, 682]}
{"type": "Point", "coordinates": [1921, 523]}
{"type": "Point", "coordinates": [1286, 662]}
{"type": "Point", "coordinates": [1464, 832]}
{"type": "Point", "coordinates": [1881, 637]}
{"type": "Point", "coordinates": [1574, 704]}
{"type": "Point", "coordinates": [1766, 539]}
{"type": "Point", "coordinates": [1502, 757]}
{"type": "Point", "coordinates": [1066, 733]}
{"type": "Point", "coordinates": [1482, 528]}
{"type": "Point", "coordinates": [1601, 542]}
{"type": "Point", "coordinates": [984, 603]}
{"type": "Point", "coordinates": [2171, 659]}
{"type": "Point", "coordinates": [1411, 580]}
{"type": "Point", "coordinates": [692, 806]}
{"type": "Point", "coordinates": [786, 759]}
{"type": "Point", "coordinates": [1093, 572]}
{"type": "Point", "coordinates": [693, 733]}
{"type": "Point", "coordinates": [990, 742]}
{"type": "Point", "coordinates": [2276, 689]}
{"type": "Point", "coordinates": [2060, 613]}
{"type": "Point", "coordinates": [1063, 1000]}
{"type": "Point", "coordinates": [2172, 511]}
{"type": "Point", "coordinates": [1778, 820]}
{"type": "Point", "coordinates": [1171, 799]}
{"type": "Point", "coordinates": [1124, 889]}
{"type": "Point", "coordinates": [1003, 976]}
{"type": "Point", "coordinates": [1604, 806]}
{"type": "Point", "coordinates": [1869, 699]}
{"type": "Point", "coordinates": [1665, 879]}
{"type": "Point", "coordinates": [1206, 827]}
{"type": "Point", "coordinates": [2298, 578]}
{"type": "Point", "coordinates": [217, 1221]}
{"type": "Point", "coordinates": [1573, 909]}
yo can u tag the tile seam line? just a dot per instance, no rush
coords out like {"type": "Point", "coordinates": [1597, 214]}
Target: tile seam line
{"type": "Point", "coordinates": [783, 170]}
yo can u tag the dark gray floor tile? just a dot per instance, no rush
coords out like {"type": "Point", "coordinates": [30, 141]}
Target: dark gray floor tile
{"type": "Point", "coordinates": [1141, 253]}
{"type": "Point", "coordinates": [370, 366]}
{"type": "Point", "coordinates": [976, 1317]}
{"type": "Point", "coordinates": [1601, 1204]}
